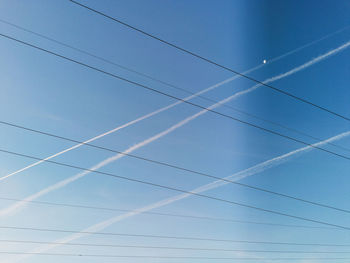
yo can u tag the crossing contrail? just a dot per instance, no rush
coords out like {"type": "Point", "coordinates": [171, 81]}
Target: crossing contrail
{"type": "Point", "coordinates": [305, 65]}
{"type": "Point", "coordinates": [11, 209]}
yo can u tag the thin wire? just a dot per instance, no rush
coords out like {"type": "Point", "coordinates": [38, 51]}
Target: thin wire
{"type": "Point", "coordinates": [164, 214]}
{"type": "Point", "coordinates": [171, 237]}
{"type": "Point", "coordinates": [183, 169]}
{"type": "Point", "coordinates": [185, 90]}
{"type": "Point", "coordinates": [212, 62]}
{"type": "Point", "coordinates": [171, 96]}
{"type": "Point", "coordinates": [157, 257]}
{"type": "Point", "coordinates": [173, 248]}
{"type": "Point", "coordinates": [181, 191]}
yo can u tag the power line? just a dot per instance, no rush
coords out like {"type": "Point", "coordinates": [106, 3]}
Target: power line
{"type": "Point", "coordinates": [180, 190]}
{"type": "Point", "coordinates": [172, 237]}
{"type": "Point", "coordinates": [171, 96]}
{"type": "Point", "coordinates": [211, 61]}
{"type": "Point", "coordinates": [228, 220]}
{"type": "Point", "coordinates": [184, 169]}
{"type": "Point", "coordinates": [185, 90]}
{"type": "Point", "coordinates": [173, 248]}
{"type": "Point", "coordinates": [158, 257]}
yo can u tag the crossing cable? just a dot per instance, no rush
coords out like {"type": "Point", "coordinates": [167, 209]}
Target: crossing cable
{"type": "Point", "coordinates": [182, 191]}
{"type": "Point", "coordinates": [185, 90]}
{"type": "Point", "coordinates": [158, 257]}
{"type": "Point", "coordinates": [212, 62]}
{"type": "Point", "coordinates": [172, 237]}
{"type": "Point", "coordinates": [172, 248]}
{"type": "Point", "coordinates": [227, 220]}
{"type": "Point", "coordinates": [182, 168]}
{"type": "Point", "coordinates": [171, 96]}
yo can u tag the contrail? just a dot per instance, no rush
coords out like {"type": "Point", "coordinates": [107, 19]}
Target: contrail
{"type": "Point", "coordinates": [16, 206]}
{"type": "Point", "coordinates": [215, 184]}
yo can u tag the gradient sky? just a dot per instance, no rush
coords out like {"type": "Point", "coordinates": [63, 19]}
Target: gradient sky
{"type": "Point", "coordinates": [49, 94]}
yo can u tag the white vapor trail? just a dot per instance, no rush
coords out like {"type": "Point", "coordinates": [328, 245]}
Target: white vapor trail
{"type": "Point", "coordinates": [11, 209]}
{"type": "Point", "coordinates": [215, 184]}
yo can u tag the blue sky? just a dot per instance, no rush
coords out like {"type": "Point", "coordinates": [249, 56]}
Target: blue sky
{"type": "Point", "coordinates": [47, 93]}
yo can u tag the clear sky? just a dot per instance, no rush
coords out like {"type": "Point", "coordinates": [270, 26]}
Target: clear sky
{"type": "Point", "coordinates": [47, 93]}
